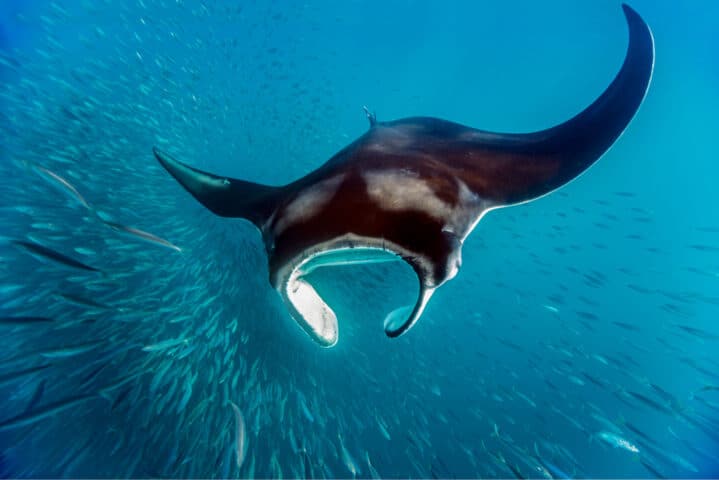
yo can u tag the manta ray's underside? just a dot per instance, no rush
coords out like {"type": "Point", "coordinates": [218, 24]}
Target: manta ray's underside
{"type": "Point", "coordinates": [415, 187]}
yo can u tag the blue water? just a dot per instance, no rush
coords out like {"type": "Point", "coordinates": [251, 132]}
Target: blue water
{"type": "Point", "coordinates": [590, 311]}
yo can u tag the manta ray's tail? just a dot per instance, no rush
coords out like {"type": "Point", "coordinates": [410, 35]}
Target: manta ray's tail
{"type": "Point", "coordinates": [227, 197]}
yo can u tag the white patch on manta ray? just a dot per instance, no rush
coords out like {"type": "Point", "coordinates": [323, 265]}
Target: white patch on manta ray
{"type": "Point", "coordinates": [391, 139]}
{"type": "Point", "coordinates": [308, 203]}
{"type": "Point", "coordinates": [400, 190]}
{"type": "Point", "coordinates": [467, 213]}
{"type": "Point", "coordinates": [404, 190]}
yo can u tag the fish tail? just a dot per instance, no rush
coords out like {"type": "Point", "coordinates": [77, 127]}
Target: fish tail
{"type": "Point", "coordinates": [107, 395]}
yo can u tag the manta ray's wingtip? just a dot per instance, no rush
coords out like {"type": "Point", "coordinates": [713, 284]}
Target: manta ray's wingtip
{"type": "Point", "coordinates": [640, 31]}
{"type": "Point", "coordinates": [633, 18]}
{"type": "Point", "coordinates": [628, 10]}
{"type": "Point", "coordinates": [165, 159]}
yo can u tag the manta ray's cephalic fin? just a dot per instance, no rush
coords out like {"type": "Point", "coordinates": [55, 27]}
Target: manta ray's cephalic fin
{"type": "Point", "coordinates": [371, 116]}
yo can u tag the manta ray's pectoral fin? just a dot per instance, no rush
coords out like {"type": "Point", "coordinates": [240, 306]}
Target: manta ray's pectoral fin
{"type": "Point", "coordinates": [400, 320]}
{"type": "Point", "coordinates": [226, 197]}
{"type": "Point", "coordinates": [508, 169]}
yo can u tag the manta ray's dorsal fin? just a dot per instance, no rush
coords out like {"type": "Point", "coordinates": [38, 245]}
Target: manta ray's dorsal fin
{"type": "Point", "coordinates": [227, 197]}
{"type": "Point", "coordinates": [371, 116]}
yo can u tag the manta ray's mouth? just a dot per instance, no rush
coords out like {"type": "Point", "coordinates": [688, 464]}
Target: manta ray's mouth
{"type": "Point", "coordinates": [311, 311]}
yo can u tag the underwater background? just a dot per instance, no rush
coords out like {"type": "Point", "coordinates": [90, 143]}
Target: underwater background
{"type": "Point", "coordinates": [580, 338]}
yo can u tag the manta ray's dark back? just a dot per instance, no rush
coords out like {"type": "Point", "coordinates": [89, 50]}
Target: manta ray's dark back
{"type": "Point", "coordinates": [416, 187]}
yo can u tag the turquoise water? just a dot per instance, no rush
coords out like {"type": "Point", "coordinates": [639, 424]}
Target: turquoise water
{"type": "Point", "coordinates": [579, 338]}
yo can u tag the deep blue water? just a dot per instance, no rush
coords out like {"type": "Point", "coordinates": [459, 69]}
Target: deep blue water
{"type": "Point", "coordinates": [588, 313]}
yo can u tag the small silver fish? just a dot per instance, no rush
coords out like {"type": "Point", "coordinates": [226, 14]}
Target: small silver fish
{"type": "Point", "coordinates": [142, 235]}
{"type": "Point", "coordinates": [41, 252]}
{"type": "Point", "coordinates": [165, 344]}
{"type": "Point", "coordinates": [240, 439]}
{"type": "Point", "coordinates": [71, 350]}
{"type": "Point", "coordinates": [66, 186]}
{"type": "Point", "coordinates": [49, 410]}
{"type": "Point", "coordinates": [616, 441]}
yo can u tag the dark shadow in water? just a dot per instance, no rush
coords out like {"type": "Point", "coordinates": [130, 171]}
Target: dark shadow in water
{"type": "Point", "coordinates": [4, 470]}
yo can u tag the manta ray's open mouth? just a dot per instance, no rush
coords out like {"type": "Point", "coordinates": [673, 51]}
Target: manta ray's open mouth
{"type": "Point", "coordinates": [311, 311]}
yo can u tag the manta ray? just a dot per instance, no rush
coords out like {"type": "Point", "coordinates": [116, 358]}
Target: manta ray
{"type": "Point", "coordinates": [416, 188]}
